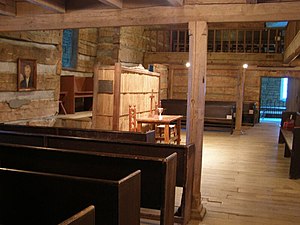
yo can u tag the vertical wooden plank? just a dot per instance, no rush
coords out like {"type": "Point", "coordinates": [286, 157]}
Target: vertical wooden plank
{"type": "Point", "coordinates": [229, 41]}
{"type": "Point", "coordinates": [164, 41]}
{"type": "Point", "coordinates": [236, 40]}
{"type": "Point", "coordinates": [252, 41]}
{"type": "Point", "coordinates": [185, 41]}
{"type": "Point", "coordinates": [221, 40]}
{"type": "Point", "coordinates": [245, 40]}
{"type": "Point", "coordinates": [268, 42]}
{"type": "Point", "coordinates": [117, 87]}
{"type": "Point", "coordinates": [239, 102]}
{"type": "Point", "coordinates": [293, 99]}
{"type": "Point", "coordinates": [95, 95]}
{"type": "Point", "coordinates": [170, 83]}
{"type": "Point", "coordinates": [171, 41]}
{"type": "Point", "coordinates": [214, 44]}
{"type": "Point", "coordinates": [177, 46]}
{"type": "Point", "coordinates": [156, 41]}
{"type": "Point", "coordinates": [195, 105]}
{"type": "Point", "coordinates": [260, 41]}
{"type": "Point", "coordinates": [276, 42]}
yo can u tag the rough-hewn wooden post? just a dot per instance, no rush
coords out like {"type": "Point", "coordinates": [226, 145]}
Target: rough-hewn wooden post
{"type": "Point", "coordinates": [239, 101]}
{"type": "Point", "coordinates": [195, 105]}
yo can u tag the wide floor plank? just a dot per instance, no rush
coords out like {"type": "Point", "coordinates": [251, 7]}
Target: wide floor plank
{"type": "Point", "coordinates": [245, 179]}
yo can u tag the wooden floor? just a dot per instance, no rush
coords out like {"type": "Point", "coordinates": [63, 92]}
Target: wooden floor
{"type": "Point", "coordinates": [245, 179]}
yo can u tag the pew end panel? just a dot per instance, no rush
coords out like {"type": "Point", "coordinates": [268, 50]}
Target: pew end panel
{"type": "Point", "coordinates": [84, 217]}
{"type": "Point", "coordinates": [295, 155]}
{"type": "Point", "coordinates": [54, 197]}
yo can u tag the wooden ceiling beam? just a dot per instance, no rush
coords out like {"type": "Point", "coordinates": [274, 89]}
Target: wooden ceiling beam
{"type": "Point", "coordinates": [53, 5]}
{"type": "Point", "coordinates": [201, 2]}
{"type": "Point", "coordinates": [154, 16]}
{"type": "Point", "coordinates": [175, 2]}
{"type": "Point", "coordinates": [293, 50]}
{"type": "Point", "coordinates": [113, 3]}
{"type": "Point", "coordinates": [7, 7]}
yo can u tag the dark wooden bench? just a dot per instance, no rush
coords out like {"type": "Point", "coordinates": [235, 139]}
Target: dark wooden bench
{"type": "Point", "coordinates": [149, 136]}
{"type": "Point", "coordinates": [291, 139]}
{"type": "Point", "coordinates": [84, 217]}
{"type": "Point", "coordinates": [158, 173]}
{"type": "Point", "coordinates": [179, 107]}
{"type": "Point", "coordinates": [250, 113]}
{"type": "Point", "coordinates": [285, 117]}
{"type": "Point", "coordinates": [175, 107]}
{"type": "Point", "coordinates": [35, 198]}
{"type": "Point", "coordinates": [219, 115]}
{"type": "Point", "coordinates": [76, 87]}
{"type": "Point", "coordinates": [185, 156]}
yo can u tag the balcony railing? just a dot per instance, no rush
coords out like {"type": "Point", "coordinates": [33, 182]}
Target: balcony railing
{"type": "Point", "coordinates": [235, 41]}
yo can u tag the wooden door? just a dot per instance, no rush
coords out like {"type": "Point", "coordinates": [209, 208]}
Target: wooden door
{"type": "Point", "coordinates": [293, 95]}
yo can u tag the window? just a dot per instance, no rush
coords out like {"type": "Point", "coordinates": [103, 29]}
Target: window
{"type": "Point", "coordinates": [280, 24]}
{"type": "Point", "coordinates": [69, 47]}
{"type": "Point", "coordinates": [283, 89]}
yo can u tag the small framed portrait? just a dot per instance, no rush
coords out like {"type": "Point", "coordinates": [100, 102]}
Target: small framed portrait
{"type": "Point", "coordinates": [26, 74]}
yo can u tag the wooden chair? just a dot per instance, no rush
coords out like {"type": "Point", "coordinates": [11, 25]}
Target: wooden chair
{"type": "Point", "coordinates": [159, 132]}
{"type": "Point", "coordinates": [132, 118]}
{"type": "Point", "coordinates": [61, 102]}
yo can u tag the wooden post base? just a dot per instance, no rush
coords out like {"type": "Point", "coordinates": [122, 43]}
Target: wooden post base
{"type": "Point", "coordinates": [199, 213]}
{"type": "Point", "coordinates": [238, 132]}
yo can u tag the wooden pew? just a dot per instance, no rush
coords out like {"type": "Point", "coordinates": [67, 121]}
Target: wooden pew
{"type": "Point", "coordinates": [284, 117]}
{"type": "Point", "coordinates": [149, 136]}
{"type": "Point", "coordinates": [36, 198]}
{"type": "Point", "coordinates": [250, 113]}
{"type": "Point", "coordinates": [76, 87]}
{"type": "Point", "coordinates": [157, 179]}
{"type": "Point", "coordinates": [219, 114]}
{"type": "Point", "coordinates": [185, 156]}
{"type": "Point", "coordinates": [84, 217]}
{"type": "Point", "coordinates": [175, 107]}
{"type": "Point", "coordinates": [291, 139]}
{"type": "Point", "coordinates": [179, 106]}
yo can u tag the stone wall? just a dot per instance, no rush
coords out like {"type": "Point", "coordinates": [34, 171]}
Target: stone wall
{"type": "Point", "coordinates": [40, 105]}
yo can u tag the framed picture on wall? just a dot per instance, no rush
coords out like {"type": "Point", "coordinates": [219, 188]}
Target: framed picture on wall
{"type": "Point", "coordinates": [27, 72]}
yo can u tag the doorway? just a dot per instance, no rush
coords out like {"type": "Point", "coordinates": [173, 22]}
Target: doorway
{"type": "Point", "coordinates": [273, 95]}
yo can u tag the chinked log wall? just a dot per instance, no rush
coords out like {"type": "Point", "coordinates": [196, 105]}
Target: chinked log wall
{"type": "Point", "coordinates": [45, 47]}
{"type": "Point", "coordinates": [222, 74]}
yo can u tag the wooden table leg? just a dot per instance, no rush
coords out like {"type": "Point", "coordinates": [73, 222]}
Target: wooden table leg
{"type": "Point", "coordinates": [139, 127]}
{"type": "Point", "coordinates": [178, 131]}
{"type": "Point", "coordinates": [167, 134]}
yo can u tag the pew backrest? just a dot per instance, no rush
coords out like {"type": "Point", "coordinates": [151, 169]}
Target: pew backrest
{"type": "Point", "coordinates": [149, 136]}
{"type": "Point", "coordinates": [44, 198]}
{"type": "Point", "coordinates": [158, 173]}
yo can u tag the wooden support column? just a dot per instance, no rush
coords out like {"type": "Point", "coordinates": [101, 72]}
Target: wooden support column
{"type": "Point", "coordinates": [195, 105]}
{"type": "Point", "coordinates": [239, 101]}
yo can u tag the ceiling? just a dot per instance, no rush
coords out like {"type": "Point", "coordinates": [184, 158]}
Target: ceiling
{"type": "Point", "coordinates": [21, 7]}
